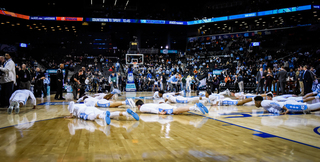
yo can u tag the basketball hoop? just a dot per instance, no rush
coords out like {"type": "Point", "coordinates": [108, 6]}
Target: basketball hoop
{"type": "Point", "coordinates": [135, 64]}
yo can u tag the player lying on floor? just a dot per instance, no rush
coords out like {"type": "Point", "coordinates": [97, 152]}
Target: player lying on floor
{"type": "Point", "coordinates": [286, 98]}
{"type": "Point", "coordinates": [19, 98]}
{"type": "Point", "coordinates": [166, 109]}
{"type": "Point", "coordinates": [283, 108]}
{"type": "Point", "coordinates": [314, 93]}
{"type": "Point", "coordinates": [204, 97]}
{"type": "Point", "coordinates": [180, 99]}
{"type": "Point", "coordinates": [107, 103]}
{"type": "Point", "coordinates": [210, 98]}
{"type": "Point", "coordinates": [107, 96]}
{"type": "Point", "coordinates": [87, 111]}
{"type": "Point", "coordinates": [229, 101]}
{"type": "Point", "coordinates": [242, 95]}
{"type": "Point", "coordinates": [161, 94]}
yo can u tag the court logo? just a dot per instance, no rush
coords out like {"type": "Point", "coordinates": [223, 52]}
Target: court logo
{"type": "Point", "coordinates": [316, 130]}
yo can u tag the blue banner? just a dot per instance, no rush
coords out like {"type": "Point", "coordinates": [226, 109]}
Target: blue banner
{"type": "Point", "coordinates": [217, 71]}
{"type": "Point", "coordinates": [165, 51]}
{"type": "Point", "coordinates": [240, 16]}
{"type": "Point", "coordinates": [130, 87]}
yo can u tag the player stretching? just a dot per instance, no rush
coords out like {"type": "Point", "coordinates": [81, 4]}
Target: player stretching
{"type": "Point", "coordinates": [283, 108]}
{"type": "Point", "coordinates": [19, 98]}
{"type": "Point", "coordinates": [88, 112]}
{"type": "Point", "coordinates": [166, 109]}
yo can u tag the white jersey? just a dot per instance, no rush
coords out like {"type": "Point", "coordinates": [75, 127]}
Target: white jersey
{"type": "Point", "coordinates": [180, 99]}
{"type": "Point", "coordinates": [241, 95]}
{"type": "Point", "coordinates": [95, 101]}
{"type": "Point", "coordinates": [228, 102]}
{"type": "Point", "coordinates": [165, 95]}
{"type": "Point", "coordinates": [279, 99]}
{"type": "Point", "coordinates": [213, 98]}
{"type": "Point", "coordinates": [298, 99]}
{"type": "Point", "coordinates": [77, 109]}
{"type": "Point", "coordinates": [100, 95]}
{"type": "Point", "coordinates": [156, 95]}
{"type": "Point", "coordinates": [272, 106]}
{"type": "Point", "coordinates": [156, 108]}
{"type": "Point", "coordinates": [85, 112]}
{"type": "Point", "coordinates": [21, 96]}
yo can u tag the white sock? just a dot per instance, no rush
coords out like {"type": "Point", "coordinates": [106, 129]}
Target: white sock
{"type": "Point", "coordinates": [123, 102]}
{"type": "Point", "coordinates": [125, 114]}
{"type": "Point", "coordinates": [317, 97]}
{"type": "Point", "coordinates": [314, 106]}
{"type": "Point", "coordinates": [114, 114]}
{"type": "Point", "coordinates": [101, 116]}
{"type": "Point", "coordinates": [192, 108]}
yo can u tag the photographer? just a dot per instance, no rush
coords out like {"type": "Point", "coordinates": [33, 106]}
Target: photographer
{"type": "Point", "coordinates": [8, 79]}
{"type": "Point", "coordinates": [75, 83]}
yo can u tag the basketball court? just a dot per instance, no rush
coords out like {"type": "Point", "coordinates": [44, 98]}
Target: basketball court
{"type": "Point", "coordinates": [227, 133]}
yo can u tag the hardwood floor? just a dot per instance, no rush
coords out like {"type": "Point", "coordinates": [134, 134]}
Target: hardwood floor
{"type": "Point", "coordinates": [225, 134]}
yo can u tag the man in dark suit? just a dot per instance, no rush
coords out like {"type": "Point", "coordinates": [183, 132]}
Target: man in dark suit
{"type": "Point", "coordinates": [38, 85]}
{"type": "Point", "coordinates": [59, 83]}
{"type": "Point", "coordinates": [75, 83]}
{"type": "Point", "coordinates": [282, 76]}
{"type": "Point", "coordinates": [260, 81]}
{"type": "Point", "coordinates": [82, 82]}
{"type": "Point", "coordinates": [307, 80]}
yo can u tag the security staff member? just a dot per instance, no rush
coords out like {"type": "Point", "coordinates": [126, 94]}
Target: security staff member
{"type": "Point", "coordinates": [59, 83]}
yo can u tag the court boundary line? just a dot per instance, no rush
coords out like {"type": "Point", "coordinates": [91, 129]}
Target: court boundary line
{"type": "Point", "coordinates": [257, 131]}
{"type": "Point", "coordinates": [30, 122]}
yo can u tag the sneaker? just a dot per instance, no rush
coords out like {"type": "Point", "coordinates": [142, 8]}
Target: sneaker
{"type": "Point", "coordinates": [133, 114]}
{"type": "Point", "coordinates": [130, 102]}
{"type": "Point", "coordinates": [17, 110]}
{"type": "Point", "coordinates": [116, 91]}
{"type": "Point", "coordinates": [10, 108]}
{"type": "Point", "coordinates": [182, 93]}
{"type": "Point", "coordinates": [204, 108]}
{"type": "Point", "coordinates": [199, 109]}
{"type": "Point", "coordinates": [107, 118]}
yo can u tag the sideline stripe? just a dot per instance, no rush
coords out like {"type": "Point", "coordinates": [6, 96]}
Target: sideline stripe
{"type": "Point", "coordinates": [29, 122]}
{"type": "Point", "coordinates": [257, 131]}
